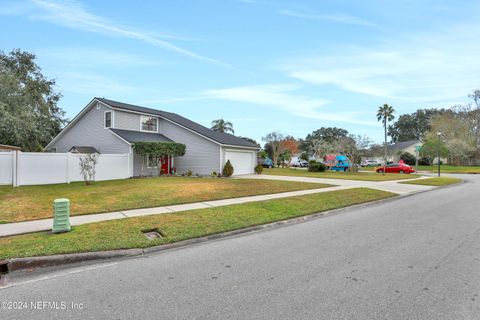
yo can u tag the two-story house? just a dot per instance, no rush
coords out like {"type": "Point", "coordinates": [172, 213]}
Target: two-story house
{"type": "Point", "coordinates": [112, 127]}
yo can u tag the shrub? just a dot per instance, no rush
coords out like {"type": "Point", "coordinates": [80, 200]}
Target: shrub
{"type": "Point", "coordinates": [314, 166]}
{"type": "Point", "coordinates": [227, 169]}
{"type": "Point", "coordinates": [408, 158]}
{"type": "Point", "coordinates": [87, 167]}
{"type": "Point", "coordinates": [258, 169]}
{"type": "Point", "coordinates": [213, 174]}
{"type": "Point", "coordinates": [189, 173]}
{"type": "Point", "coordinates": [425, 161]}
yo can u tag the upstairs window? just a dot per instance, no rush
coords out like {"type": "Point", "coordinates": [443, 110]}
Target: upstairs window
{"type": "Point", "coordinates": [108, 119]}
{"type": "Point", "coordinates": [149, 124]}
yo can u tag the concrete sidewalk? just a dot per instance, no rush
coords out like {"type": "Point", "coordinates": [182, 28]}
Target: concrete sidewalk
{"type": "Point", "coordinates": [10, 229]}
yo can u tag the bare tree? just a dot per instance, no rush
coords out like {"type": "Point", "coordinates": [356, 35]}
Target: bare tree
{"type": "Point", "coordinates": [322, 147]}
{"type": "Point", "coordinates": [274, 140]}
{"type": "Point", "coordinates": [87, 165]}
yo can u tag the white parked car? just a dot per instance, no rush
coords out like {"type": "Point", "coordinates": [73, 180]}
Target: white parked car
{"type": "Point", "coordinates": [370, 163]}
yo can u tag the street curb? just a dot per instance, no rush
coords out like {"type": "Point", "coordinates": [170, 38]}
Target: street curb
{"type": "Point", "coordinates": [29, 263]}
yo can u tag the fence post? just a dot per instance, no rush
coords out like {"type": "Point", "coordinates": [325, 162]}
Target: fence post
{"type": "Point", "coordinates": [131, 163]}
{"type": "Point", "coordinates": [128, 164]}
{"type": "Point", "coordinates": [18, 168]}
{"type": "Point", "coordinates": [14, 168]}
{"type": "Point", "coordinates": [67, 166]}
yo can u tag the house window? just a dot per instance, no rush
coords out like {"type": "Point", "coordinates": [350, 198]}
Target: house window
{"type": "Point", "coordinates": [108, 119]}
{"type": "Point", "coordinates": [149, 124]}
{"type": "Point", "coordinates": [152, 161]}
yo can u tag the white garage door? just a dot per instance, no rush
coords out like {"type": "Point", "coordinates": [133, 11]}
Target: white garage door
{"type": "Point", "coordinates": [242, 161]}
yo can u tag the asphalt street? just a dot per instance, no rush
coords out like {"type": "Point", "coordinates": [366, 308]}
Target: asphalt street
{"type": "Point", "coordinates": [415, 257]}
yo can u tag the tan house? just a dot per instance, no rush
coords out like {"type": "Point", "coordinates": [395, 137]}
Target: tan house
{"type": "Point", "coordinates": [4, 147]}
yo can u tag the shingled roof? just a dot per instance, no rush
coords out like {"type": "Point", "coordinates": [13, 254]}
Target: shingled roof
{"type": "Point", "coordinates": [403, 144]}
{"type": "Point", "coordinates": [220, 137]}
{"type": "Point", "coordinates": [136, 136]}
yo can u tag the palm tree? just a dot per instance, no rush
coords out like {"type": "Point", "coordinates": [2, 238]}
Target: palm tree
{"type": "Point", "coordinates": [385, 114]}
{"type": "Point", "coordinates": [222, 126]}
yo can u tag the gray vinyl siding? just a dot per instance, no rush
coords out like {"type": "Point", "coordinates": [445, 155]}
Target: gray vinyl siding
{"type": "Point", "coordinates": [202, 156]}
{"type": "Point", "coordinates": [127, 120]}
{"type": "Point", "coordinates": [89, 131]}
{"type": "Point", "coordinates": [137, 167]}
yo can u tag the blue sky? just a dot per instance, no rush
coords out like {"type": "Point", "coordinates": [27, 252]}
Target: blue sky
{"type": "Point", "coordinates": [289, 66]}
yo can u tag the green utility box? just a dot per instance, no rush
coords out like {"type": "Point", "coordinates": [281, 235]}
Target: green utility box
{"type": "Point", "coordinates": [61, 215]}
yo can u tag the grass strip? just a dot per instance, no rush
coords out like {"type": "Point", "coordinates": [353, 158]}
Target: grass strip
{"type": "Point", "coordinates": [452, 169]}
{"type": "Point", "coordinates": [128, 233]}
{"type": "Point", "coordinates": [437, 181]}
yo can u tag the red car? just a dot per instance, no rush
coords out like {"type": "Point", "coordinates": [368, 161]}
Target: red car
{"type": "Point", "coordinates": [396, 168]}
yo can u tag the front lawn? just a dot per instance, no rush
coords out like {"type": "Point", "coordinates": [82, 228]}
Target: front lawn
{"type": "Point", "coordinates": [35, 202]}
{"type": "Point", "coordinates": [437, 181]}
{"type": "Point", "coordinates": [364, 176]}
{"type": "Point", "coordinates": [128, 233]}
{"type": "Point", "coordinates": [451, 169]}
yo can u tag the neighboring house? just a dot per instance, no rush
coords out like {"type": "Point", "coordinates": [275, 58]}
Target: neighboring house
{"type": "Point", "coordinates": [112, 127]}
{"type": "Point", "coordinates": [394, 151]}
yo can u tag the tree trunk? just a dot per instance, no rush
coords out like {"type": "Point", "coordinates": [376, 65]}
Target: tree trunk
{"type": "Point", "coordinates": [385, 156]}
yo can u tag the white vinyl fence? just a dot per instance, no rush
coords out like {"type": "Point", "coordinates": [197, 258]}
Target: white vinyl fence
{"type": "Point", "coordinates": [31, 168]}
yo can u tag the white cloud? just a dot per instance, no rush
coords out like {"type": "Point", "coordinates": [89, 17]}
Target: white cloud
{"type": "Point", "coordinates": [284, 98]}
{"type": "Point", "coordinates": [91, 84]}
{"type": "Point", "coordinates": [86, 57]}
{"type": "Point", "coordinates": [333, 17]}
{"type": "Point", "coordinates": [73, 14]}
{"type": "Point", "coordinates": [422, 68]}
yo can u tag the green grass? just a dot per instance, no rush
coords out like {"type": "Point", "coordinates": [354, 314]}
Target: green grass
{"type": "Point", "coordinates": [364, 176]}
{"type": "Point", "coordinates": [437, 181]}
{"type": "Point", "coordinates": [35, 202]}
{"type": "Point", "coordinates": [451, 169]}
{"type": "Point", "coordinates": [367, 168]}
{"type": "Point", "coordinates": [127, 233]}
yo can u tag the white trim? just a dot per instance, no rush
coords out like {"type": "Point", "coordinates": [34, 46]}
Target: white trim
{"type": "Point", "coordinates": [240, 147]}
{"type": "Point", "coordinates": [155, 117]}
{"type": "Point", "coordinates": [235, 150]}
{"type": "Point", "coordinates": [221, 161]}
{"type": "Point", "coordinates": [105, 119]}
{"type": "Point", "coordinates": [251, 152]}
